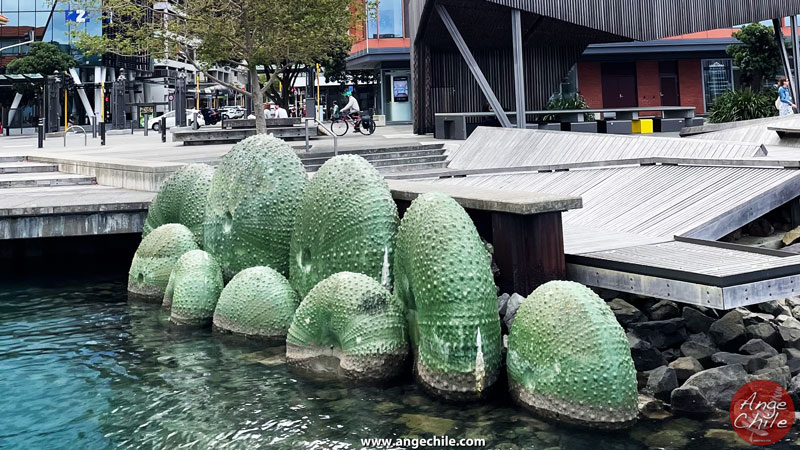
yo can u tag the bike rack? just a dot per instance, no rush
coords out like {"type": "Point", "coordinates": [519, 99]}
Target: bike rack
{"type": "Point", "coordinates": [85, 136]}
{"type": "Point", "coordinates": [326, 130]}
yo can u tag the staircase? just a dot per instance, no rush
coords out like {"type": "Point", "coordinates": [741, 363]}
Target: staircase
{"type": "Point", "coordinates": [16, 172]}
{"type": "Point", "coordinates": [409, 158]}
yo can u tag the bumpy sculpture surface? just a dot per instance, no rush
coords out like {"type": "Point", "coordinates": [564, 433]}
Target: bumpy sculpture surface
{"type": "Point", "coordinates": [155, 258]}
{"type": "Point", "coordinates": [347, 222]}
{"type": "Point", "coordinates": [182, 199]}
{"type": "Point", "coordinates": [568, 358]}
{"type": "Point", "coordinates": [351, 320]}
{"type": "Point", "coordinates": [257, 302]}
{"type": "Point", "coordinates": [194, 288]}
{"type": "Point", "coordinates": [444, 278]}
{"type": "Point", "coordinates": [252, 205]}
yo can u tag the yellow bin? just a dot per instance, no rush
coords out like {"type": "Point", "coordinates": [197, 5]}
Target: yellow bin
{"type": "Point", "coordinates": [643, 126]}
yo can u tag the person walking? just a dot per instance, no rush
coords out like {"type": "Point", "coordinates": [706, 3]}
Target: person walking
{"type": "Point", "coordinates": [785, 105]}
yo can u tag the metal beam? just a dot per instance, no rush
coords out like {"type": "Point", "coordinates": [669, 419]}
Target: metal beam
{"type": "Point", "coordinates": [519, 68]}
{"type": "Point", "coordinates": [473, 66]}
{"type": "Point", "coordinates": [795, 49]}
{"type": "Point", "coordinates": [787, 67]}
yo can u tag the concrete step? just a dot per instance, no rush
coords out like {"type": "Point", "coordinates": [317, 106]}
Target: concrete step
{"type": "Point", "coordinates": [366, 151]}
{"type": "Point", "coordinates": [19, 158]}
{"type": "Point", "coordinates": [43, 179]}
{"type": "Point", "coordinates": [393, 162]}
{"type": "Point", "coordinates": [378, 156]}
{"type": "Point", "coordinates": [26, 167]}
{"type": "Point", "coordinates": [412, 167]}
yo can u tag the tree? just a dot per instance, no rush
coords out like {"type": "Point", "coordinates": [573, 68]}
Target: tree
{"type": "Point", "coordinates": [267, 35]}
{"type": "Point", "coordinates": [757, 56]}
{"type": "Point", "coordinates": [44, 58]}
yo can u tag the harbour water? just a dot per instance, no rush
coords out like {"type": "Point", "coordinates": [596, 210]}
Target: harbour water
{"type": "Point", "coordinates": [81, 368]}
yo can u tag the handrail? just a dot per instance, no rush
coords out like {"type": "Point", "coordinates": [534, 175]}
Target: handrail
{"type": "Point", "coordinates": [85, 136]}
{"type": "Point", "coordinates": [326, 130]}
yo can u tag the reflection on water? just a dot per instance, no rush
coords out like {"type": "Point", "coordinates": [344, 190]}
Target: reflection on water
{"type": "Point", "coordinates": [82, 368]}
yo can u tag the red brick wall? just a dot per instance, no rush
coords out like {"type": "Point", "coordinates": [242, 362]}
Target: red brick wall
{"type": "Point", "coordinates": [590, 83]}
{"type": "Point", "coordinates": [690, 78]}
{"type": "Point", "coordinates": [648, 83]}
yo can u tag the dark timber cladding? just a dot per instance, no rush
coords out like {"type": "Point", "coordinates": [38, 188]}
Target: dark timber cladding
{"type": "Point", "coordinates": [554, 34]}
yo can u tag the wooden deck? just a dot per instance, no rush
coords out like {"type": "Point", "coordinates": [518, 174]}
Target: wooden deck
{"type": "Point", "coordinates": [756, 131]}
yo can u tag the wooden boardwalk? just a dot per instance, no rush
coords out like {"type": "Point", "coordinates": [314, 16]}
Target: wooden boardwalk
{"type": "Point", "coordinates": [755, 131]}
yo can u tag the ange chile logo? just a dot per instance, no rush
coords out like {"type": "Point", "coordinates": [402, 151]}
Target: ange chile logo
{"type": "Point", "coordinates": [762, 412]}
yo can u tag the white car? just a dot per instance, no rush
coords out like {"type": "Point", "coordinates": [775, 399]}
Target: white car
{"type": "Point", "coordinates": [231, 112]}
{"type": "Point", "coordinates": [155, 123]}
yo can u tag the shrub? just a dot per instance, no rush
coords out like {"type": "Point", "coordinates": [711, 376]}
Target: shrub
{"type": "Point", "coordinates": [743, 104]}
{"type": "Point", "coordinates": [571, 101]}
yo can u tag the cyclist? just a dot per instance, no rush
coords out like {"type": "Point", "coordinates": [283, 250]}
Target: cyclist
{"type": "Point", "coordinates": [352, 109]}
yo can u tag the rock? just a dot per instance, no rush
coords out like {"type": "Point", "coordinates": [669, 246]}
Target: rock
{"type": "Point", "coordinates": [662, 333]}
{"type": "Point", "coordinates": [796, 312]}
{"type": "Point", "coordinates": [625, 312]}
{"type": "Point", "coordinates": [790, 336]}
{"type": "Point", "coordinates": [652, 408]}
{"type": "Point", "coordinates": [502, 302]}
{"type": "Point", "coordinates": [779, 375]}
{"type": "Point", "coordinates": [774, 307]}
{"type": "Point", "coordinates": [645, 356]}
{"type": "Point", "coordinates": [751, 363]}
{"type": "Point", "coordinates": [793, 302]}
{"type": "Point", "coordinates": [756, 346]}
{"type": "Point", "coordinates": [167, 361]}
{"type": "Point", "coordinates": [419, 423]}
{"type": "Point", "coordinates": [787, 320]}
{"type": "Point", "coordinates": [662, 382]}
{"type": "Point", "coordinates": [719, 384]}
{"type": "Point", "coordinates": [696, 321]}
{"type": "Point", "coordinates": [698, 351]}
{"type": "Point", "coordinates": [689, 401]}
{"type": "Point", "coordinates": [512, 306]}
{"type": "Point", "coordinates": [794, 389]}
{"type": "Point", "coordinates": [663, 310]}
{"type": "Point", "coordinates": [760, 227]}
{"type": "Point", "coordinates": [606, 294]}
{"type": "Point", "coordinates": [685, 367]}
{"type": "Point", "coordinates": [791, 236]}
{"type": "Point", "coordinates": [667, 440]}
{"type": "Point", "coordinates": [792, 360]}
{"type": "Point", "coordinates": [794, 248]}
{"type": "Point", "coordinates": [671, 354]}
{"type": "Point", "coordinates": [765, 332]}
{"type": "Point", "coordinates": [726, 439]}
{"type": "Point", "coordinates": [752, 318]}
{"type": "Point", "coordinates": [729, 332]}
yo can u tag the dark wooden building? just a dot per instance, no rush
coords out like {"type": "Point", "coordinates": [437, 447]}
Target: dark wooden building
{"type": "Point", "coordinates": [468, 55]}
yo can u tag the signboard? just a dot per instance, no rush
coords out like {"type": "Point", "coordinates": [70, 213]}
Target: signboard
{"type": "Point", "coordinates": [400, 89]}
{"type": "Point", "coordinates": [171, 97]}
{"type": "Point", "coordinates": [76, 15]}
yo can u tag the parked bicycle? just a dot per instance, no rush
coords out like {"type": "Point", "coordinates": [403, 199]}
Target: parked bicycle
{"type": "Point", "coordinates": [363, 122]}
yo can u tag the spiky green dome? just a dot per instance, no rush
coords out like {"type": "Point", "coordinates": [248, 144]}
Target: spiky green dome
{"type": "Point", "coordinates": [568, 358]}
{"type": "Point", "coordinates": [352, 318]}
{"type": "Point", "coordinates": [182, 199]}
{"type": "Point", "coordinates": [444, 278]}
{"type": "Point", "coordinates": [252, 205]}
{"type": "Point", "coordinates": [194, 288]}
{"type": "Point", "coordinates": [347, 222]}
{"type": "Point", "coordinates": [257, 302]}
{"type": "Point", "coordinates": [155, 258]}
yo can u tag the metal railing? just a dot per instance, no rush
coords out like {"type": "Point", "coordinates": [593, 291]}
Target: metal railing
{"type": "Point", "coordinates": [326, 130]}
{"type": "Point", "coordinates": [85, 135]}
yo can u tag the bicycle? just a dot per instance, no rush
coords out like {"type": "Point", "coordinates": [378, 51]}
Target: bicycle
{"type": "Point", "coordinates": [340, 123]}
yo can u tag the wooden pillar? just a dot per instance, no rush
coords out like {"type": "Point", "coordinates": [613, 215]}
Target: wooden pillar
{"type": "Point", "coordinates": [528, 250]}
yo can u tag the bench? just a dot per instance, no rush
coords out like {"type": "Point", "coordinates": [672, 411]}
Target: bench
{"type": "Point", "coordinates": [239, 124]}
{"type": "Point", "coordinates": [786, 132]}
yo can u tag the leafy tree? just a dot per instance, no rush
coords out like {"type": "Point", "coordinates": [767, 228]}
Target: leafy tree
{"type": "Point", "coordinates": [271, 35]}
{"type": "Point", "coordinates": [743, 104]}
{"type": "Point", "coordinates": [44, 58]}
{"type": "Point", "coordinates": [757, 56]}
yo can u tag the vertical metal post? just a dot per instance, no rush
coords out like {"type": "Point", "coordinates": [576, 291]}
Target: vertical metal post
{"type": "Point", "coordinates": [795, 50]}
{"type": "Point", "coordinates": [146, 123]}
{"type": "Point", "coordinates": [519, 67]}
{"type": "Point", "coordinates": [306, 121]}
{"type": "Point", "coordinates": [40, 132]}
{"type": "Point", "coordinates": [195, 125]}
{"type": "Point", "coordinates": [133, 123]}
{"type": "Point", "coordinates": [103, 133]}
{"type": "Point", "coordinates": [787, 67]}
{"type": "Point", "coordinates": [163, 129]}
{"type": "Point", "coordinates": [94, 127]}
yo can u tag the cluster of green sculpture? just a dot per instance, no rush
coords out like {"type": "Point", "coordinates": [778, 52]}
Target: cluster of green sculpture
{"type": "Point", "coordinates": [194, 287]}
{"type": "Point", "coordinates": [347, 222]}
{"type": "Point", "coordinates": [443, 276]}
{"type": "Point", "coordinates": [352, 320]}
{"type": "Point", "coordinates": [258, 302]}
{"type": "Point", "coordinates": [568, 358]}
{"type": "Point", "coordinates": [252, 205]}
{"type": "Point", "coordinates": [366, 289]}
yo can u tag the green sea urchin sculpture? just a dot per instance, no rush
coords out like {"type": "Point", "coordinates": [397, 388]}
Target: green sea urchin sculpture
{"type": "Point", "coordinates": [194, 287]}
{"type": "Point", "coordinates": [182, 199]}
{"type": "Point", "coordinates": [443, 276]}
{"type": "Point", "coordinates": [154, 259]}
{"type": "Point", "coordinates": [568, 358]}
{"type": "Point", "coordinates": [252, 205]}
{"type": "Point", "coordinates": [351, 320]}
{"type": "Point", "coordinates": [347, 222]}
{"type": "Point", "coordinates": [257, 302]}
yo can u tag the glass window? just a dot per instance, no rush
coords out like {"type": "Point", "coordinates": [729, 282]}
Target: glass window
{"type": "Point", "coordinates": [390, 18]}
{"type": "Point", "coordinates": [717, 79]}
{"type": "Point", "coordinates": [10, 5]}
{"type": "Point", "coordinates": [372, 28]}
